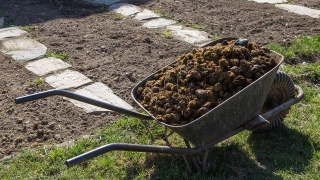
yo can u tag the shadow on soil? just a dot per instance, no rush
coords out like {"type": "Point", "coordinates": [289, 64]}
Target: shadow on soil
{"type": "Point", "coordinates": [27, 12]}
{"type": "Point", "coordinates": [283, 149]}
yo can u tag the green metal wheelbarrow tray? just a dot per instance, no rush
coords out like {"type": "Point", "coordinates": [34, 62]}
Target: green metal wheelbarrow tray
{"type": "Point", "coordinates": [249, 109]}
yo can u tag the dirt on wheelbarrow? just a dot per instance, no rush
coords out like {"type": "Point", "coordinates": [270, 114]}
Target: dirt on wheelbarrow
{"type": "Point", "coordinates": [204, 78]}
{"type": "Point", "coordinates": [108, 48]}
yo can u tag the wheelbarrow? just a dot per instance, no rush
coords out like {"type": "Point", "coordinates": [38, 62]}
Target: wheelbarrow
{"type": "Point", "coordinates": [260, 106]}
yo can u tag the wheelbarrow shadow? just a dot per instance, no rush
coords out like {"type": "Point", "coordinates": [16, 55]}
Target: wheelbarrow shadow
{"type": "Point", "coordinates": [224, 163]}
{"type": "Point", "coordinates": [282, 149]}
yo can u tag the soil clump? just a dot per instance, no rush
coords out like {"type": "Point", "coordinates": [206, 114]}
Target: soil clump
{"type": "Point", "coordinates": [202, 79]}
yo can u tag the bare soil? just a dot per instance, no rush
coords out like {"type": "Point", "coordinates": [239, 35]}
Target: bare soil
{"type": "Point", "coordinates": [106, 48]}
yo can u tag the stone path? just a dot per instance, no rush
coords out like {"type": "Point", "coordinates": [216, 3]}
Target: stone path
{"type": "Point", "coordinates": [301, 10]}
{"type": "Point", "coordinates": [57, 73]}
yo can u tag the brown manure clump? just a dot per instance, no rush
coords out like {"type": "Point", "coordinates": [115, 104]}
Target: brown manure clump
{"type": "Point", "coordinates": [203, 79]}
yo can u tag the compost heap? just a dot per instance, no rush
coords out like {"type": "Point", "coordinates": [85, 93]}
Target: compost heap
{"type": "Point", "coordinates": [202, 79]}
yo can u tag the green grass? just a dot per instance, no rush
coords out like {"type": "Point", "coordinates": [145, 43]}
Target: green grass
{"type": "Point", "coordinates": [308, 73]}
{"type": "Point", "coordinates": [57, 54]}
{"type": "Point", "coordinates": [121, 17]}
{"type": "Point", "coordinates": [26, 28]}
{"type": "Point", "coordinates": [214, 37]}
{"type": "Point", "coordinates": [167, 34]}
{"type": "Point", "coordinates": [288, 152]}
{"type": "Point", "coordinates": [195, 26]}
{"type": "Point", "coordinates": [303, 46]}
{"type": "Point", "coordinates": [36, 83]}
{"type": "Point", "coordinates": [162, 13]}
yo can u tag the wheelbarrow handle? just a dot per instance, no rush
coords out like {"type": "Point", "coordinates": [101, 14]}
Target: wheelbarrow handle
{"type": "Point", "coordinates": [84, 99]}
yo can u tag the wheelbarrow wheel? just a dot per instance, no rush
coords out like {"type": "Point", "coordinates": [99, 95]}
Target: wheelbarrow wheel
{"type": "Point", "coordinates": [282, 90]}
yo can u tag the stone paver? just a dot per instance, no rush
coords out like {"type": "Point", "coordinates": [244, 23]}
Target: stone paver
{"type": "Point", "coordinates": [125, 9]}
{"type": "Point", "coordinates": [146, 15]}
{"type": "Point", "coordinates": [101, 92]}
{"type": "Point", "coordinates": [11, 32]}
{"type": "Point", "coordinates": [67, 79]}
{"type": "Point", "coordinates": [189, 35]}
{"type": "Point", "coordinates": [158, 23]}
{"type": "Point", "coordinates": [300, 10]}
{"type": "Point", "coordinates": [270, 1]}
{"type": "Point", "coordinates": [23, 49]}
{"type": "Point", "coordinates": [46, 65]}
{"type": "Point", "coordinates": [106, 2]}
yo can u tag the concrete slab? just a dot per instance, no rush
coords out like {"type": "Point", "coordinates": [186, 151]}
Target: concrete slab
{"type": "Point", "coordinates": [300, 10]}
{"type": "Point", "coordinates": [189, 35]}
{"type": "Point", "coordinates": [101, 92]}
{"type": "Point", "coordinates": [23, 49]}
{"type": "Point", "coordinates": [146, 15]}
{"type": "Point", "coordinates": [47, 65]}
{"type": "Point", "coordinates": [67, 79]}
{"type": "Point", "coordinates": [106, 2]}
{"type": "Point", "coordinates": [11, 32]}
{"type": "Point", "coordinates": [158, 23]}
{"type": "Point", "coordinates": [270, 1]}
{"type": "Point", "coordinates": [125, 9]}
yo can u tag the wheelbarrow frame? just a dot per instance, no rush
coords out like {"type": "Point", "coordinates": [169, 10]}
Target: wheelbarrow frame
{"type": "Point", "coordinates": [249, 121]}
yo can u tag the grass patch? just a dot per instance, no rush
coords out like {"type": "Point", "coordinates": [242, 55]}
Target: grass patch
{"type": "Point", "coordinates": [167, 34]}
{"type": "Point", "coordinates": [57, 54]}
{"type": "Point", "coordinates": [26, 28]}
{"type": "Point", "coordinates": [195, 26]}
{"type": "Point", "coordinates": [309, 72]}
{"type": "Point", "coordinates": [162, 13]}
{"type": "Point", "coordinates": [214, 37]}
{"type": "Point", "coordinates": [303, 47]}
{"type": "Point", "coordinates": [121, 17]}
{"type": "Point", "coordinates": [37, 83]}
{"type": "Point", "coordinates": [11, 60]}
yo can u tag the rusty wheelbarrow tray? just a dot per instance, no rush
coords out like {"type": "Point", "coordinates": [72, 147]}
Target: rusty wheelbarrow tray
{"type": "Point", "coordinates": [239, 112]}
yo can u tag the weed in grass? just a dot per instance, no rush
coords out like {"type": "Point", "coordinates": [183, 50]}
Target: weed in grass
{"type": "Point", "coordinates": [195, 26]}
{"type": "Point", "coordinates": [36, 83]}
{"type": "Point", "coordinates": [121, 17]}
{"type": "Point", "coordinates": [167, 34]}
{"type": "Point", "coordinates": [56, 54]}
{"type": "Point", "coordinates": [26, 28]}
{"type": "Point", "coordinates": [162, 13]}
{"type": "Point", "coordinates": [11, 60]}
{"type": "Point", "coordinates": [214, 37]}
